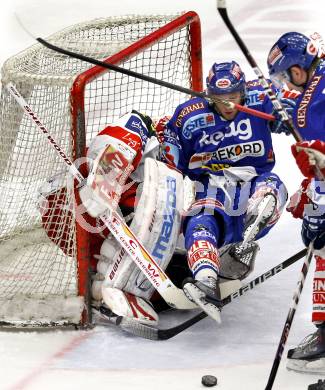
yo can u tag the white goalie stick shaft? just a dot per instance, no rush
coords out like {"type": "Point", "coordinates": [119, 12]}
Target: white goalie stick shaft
{"type": "Point", "coordinates": [174, 296]}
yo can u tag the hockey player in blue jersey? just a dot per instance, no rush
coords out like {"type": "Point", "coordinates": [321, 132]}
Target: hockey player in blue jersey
{"type": "Point", "coordinates": [229, 155]}
{"type": "Point", "coordinates": [296, 61]}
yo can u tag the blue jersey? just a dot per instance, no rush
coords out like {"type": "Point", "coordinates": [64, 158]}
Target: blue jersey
{"type": "Point", "coordinates": [309, 113]}
{"type": "Point", "coordinates": [200, 142]}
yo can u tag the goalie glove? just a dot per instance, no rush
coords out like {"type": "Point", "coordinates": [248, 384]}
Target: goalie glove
{"type": "Point", "coordinates": [112, 156]}
{"type": "Point", "coordinates": [109, 172]}
{"type": "Point", "coordinates": [308, 154]}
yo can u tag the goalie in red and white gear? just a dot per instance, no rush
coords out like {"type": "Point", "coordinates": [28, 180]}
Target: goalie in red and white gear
{"type": "Point", "coordinates": [123, 173]}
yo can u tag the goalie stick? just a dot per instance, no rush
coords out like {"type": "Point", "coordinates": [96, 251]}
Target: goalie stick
{"type": "Point", "coordinates": [150, 333]}
{"type": "Point", "coordinates": [173, 296]}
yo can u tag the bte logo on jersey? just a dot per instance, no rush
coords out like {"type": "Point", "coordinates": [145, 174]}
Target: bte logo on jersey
{"type": "Point", "coordinates": [197, 122]}
{"type": "Point", "coordinates": [255, 98]}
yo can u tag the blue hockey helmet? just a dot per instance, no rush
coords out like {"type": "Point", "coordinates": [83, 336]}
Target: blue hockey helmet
{"type": "Point", "coordinates": [224, 78]}
{"type": "Point", "coordinates": [291, 49]}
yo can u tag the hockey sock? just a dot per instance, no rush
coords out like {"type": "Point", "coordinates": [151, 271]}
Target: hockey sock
{"type": "Point", "coordinates": [200, 241]}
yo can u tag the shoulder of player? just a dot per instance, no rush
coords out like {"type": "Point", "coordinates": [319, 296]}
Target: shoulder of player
{"type": "Point", "coordinates": [314, 93]}
{"type": "Point", "coordinates": [189, 108]}
{"type": "Point", "coordinates": [255, 94]}
{"type": "Point", "coordinates": [310, 105]}
{"type": "Point", "coordinates": [318, 79]}
{"type": "Point", "coordinates": [316, 85]}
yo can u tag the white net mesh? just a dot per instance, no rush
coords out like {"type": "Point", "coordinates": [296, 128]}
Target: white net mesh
{"type": "Point", "coordinates": [32, 267]}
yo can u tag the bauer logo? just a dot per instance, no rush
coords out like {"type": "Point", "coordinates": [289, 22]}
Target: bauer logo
{"type": "Point", "coordinates": [255, 98]}
{"type": "Point", "coordinates": [197, 122]}
{"type": "Point", "coordinates": [169, 218]}
{"type": "Point", "coordinates": [223, 83]}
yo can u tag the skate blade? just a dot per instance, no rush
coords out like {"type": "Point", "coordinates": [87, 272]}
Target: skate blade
{"type": "Point", "coordinates": [316, 366]}
{"type": "Point", "coordinates": [195, 294]}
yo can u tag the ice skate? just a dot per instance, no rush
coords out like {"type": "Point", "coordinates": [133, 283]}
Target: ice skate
{"type": "Point", "coordinates": [206, 294]}
{"type": "Point", "coordinates": [309, 356]}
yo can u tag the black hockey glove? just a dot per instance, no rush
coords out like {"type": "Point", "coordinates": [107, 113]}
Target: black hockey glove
{"type": "Point", "coordinates": [313, 229]}
{"type": "Point", "coordinates": [278, 126]}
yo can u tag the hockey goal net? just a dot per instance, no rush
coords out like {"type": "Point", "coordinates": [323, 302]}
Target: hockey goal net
{"type": "Point", "coordinates": [41, 284]}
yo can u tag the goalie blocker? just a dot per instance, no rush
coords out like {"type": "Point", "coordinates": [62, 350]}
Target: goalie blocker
{"type": "Point", "coordinates": [146, 192]}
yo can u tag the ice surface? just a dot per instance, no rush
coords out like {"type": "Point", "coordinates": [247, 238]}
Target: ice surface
{"type": "Point", "coordinates": [240, 351]}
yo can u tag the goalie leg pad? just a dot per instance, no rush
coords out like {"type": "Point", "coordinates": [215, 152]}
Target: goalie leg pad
{"type": "Point", "coordinates": [157, 223]}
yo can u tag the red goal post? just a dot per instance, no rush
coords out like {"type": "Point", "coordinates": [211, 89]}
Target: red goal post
{"type": "Point", "coordinates": [75, 102]}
